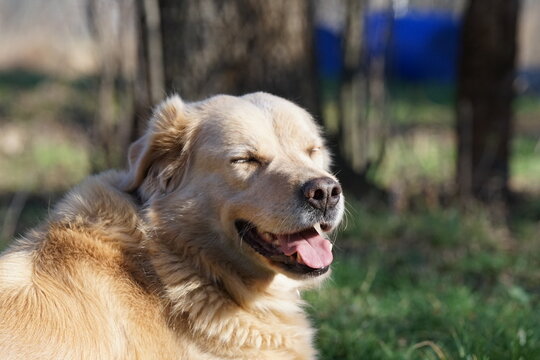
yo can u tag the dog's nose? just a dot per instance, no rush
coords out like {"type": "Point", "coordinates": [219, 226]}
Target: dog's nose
{"type": "Point", "coordinates": [322, 193]}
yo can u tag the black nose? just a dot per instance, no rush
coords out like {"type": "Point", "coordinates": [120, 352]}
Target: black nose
{"type": "Point", "coordinates": [322, 193]}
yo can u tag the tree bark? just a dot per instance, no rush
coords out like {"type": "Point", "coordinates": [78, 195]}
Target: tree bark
{"type": "Point", "coordinates": [235, 47]}
{"type": "Point", "coordinates": [114, 40]}
{"type": "Point", "coordinates": [149, 84]}
{"type": "Point", "coordinates": [484, 98]}
{"type": "Point", "coordinates": [359, 142]}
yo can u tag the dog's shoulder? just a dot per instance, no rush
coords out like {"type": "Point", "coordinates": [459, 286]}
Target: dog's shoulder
{"type": "Point", "coordinates": [95, 225]}
{"type": "Point", "coordinates": [71, 283]}
{"type": "Point", "coordinates": [94, 222]}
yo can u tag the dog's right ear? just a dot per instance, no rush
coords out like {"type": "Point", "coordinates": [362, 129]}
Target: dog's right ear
{"type": "Point", "coordinates": [165, 139]}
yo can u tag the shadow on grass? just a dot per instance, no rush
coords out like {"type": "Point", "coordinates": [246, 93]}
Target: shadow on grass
{"type": "Point", "coordinates": [19, 212]}
{"type": "Point", "coordinates": [20, 79]}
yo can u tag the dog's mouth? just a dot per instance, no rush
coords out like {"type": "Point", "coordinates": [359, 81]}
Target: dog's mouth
{"type": "Point", "coordinates": [306, 252]}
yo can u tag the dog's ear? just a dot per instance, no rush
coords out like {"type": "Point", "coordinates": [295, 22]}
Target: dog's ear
{"type": "Point", "coordinates": [160, 152]}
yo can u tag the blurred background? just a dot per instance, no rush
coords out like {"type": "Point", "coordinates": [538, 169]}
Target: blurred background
{"type": "Point", "coordinates": [431, 107]}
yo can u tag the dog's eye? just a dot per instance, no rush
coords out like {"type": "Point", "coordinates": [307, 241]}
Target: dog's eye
{"type": "Point", "coordinates": [314, 150]}
{"type": "Point", "coordinates": [246, 160]}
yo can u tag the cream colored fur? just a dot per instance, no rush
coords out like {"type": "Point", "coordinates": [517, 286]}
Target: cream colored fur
{"type": "Point", "coordinates": [147, 264]}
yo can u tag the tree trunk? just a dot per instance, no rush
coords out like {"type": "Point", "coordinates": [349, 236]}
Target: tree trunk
{"type": "Point", "coordinates": [235, 47]}
{"type": "Point", "coordinates": [149, 79]}
{"type": "Point", "coordinates": [352, 89]}
{"type": "Point", "coordinates": [115, 44]}
{"type": "Point", "coordinates": [359, 142]}
{"type": "Point", "coordinates": [484, 98]}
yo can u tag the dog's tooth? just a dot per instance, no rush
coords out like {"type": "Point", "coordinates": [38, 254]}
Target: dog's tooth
{"type": "Point", "coordinates": [317, 228]}
{"type": "Point", "coordinates": [299, 259]}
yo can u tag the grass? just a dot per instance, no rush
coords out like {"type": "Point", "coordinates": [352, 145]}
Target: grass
{"type": "Point", "coordinates": [525, 165]}
{"type": "Point", "coordinates": [429, 319]}
{"type": "Point", "coordinates": [429, 284]}
{"type": "Point", "coordinates": [421, 105]}
{"type": "Point", "coordinates": [417, 157]}
{"type": "Point", "coordinates": [45, 165]}
{"type": "Point", "coordinates": [422, 158]}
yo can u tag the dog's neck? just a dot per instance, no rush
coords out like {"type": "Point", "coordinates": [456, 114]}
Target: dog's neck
{"type": "Point", "coordinates": [176, 259]}
{"type": "Point", "coordinates": [214, 300]}
{"type": "Point", "coordinates": [211, 290]}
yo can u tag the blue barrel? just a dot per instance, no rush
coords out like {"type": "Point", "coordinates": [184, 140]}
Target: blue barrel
{"type": "Point", "coordinates": [419, 46]}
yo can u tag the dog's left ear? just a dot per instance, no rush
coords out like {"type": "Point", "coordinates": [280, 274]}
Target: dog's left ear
{"type": "Point", "coordinates": [161, 152]}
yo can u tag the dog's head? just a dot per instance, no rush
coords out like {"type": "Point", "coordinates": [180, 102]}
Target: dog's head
{"type": "Point", "coordinates": [247, 178]}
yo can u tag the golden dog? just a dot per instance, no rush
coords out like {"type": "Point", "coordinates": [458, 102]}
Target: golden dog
{"type": "Point", "coordinates": [198, 251]}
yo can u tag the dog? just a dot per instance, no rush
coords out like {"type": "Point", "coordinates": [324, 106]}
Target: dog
{"type": "Point", "coordinates": [198, 251]}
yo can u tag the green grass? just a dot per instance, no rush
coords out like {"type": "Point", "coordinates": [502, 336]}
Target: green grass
{"type": "Point", "coordinates": [421, 105]}
{"type": "Point", "coordinates": [430, 284]}
{"type": "Point", "coordinates": [423, 158]}
{"type": "Point", "coordinates": [368, 313]}
{"type": "Point", "coordinates": [45, 165]}
{"type": "Point", "coordinates": [525, 164]}
{"type": "Point", "coordinates": [416, 158]}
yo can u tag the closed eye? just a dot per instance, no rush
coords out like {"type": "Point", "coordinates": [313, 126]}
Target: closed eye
{"type": "Point", "coordinates": [246, 160]}
{"type": "Point", "coordinates": [314, 150]}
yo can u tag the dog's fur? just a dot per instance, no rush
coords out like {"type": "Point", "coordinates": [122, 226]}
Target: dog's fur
{"type": "Point", "coordinates": [147, 263]}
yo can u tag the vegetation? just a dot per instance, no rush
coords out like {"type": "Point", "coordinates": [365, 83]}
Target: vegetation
{"type": "Point", "coordinates": [431, 284]}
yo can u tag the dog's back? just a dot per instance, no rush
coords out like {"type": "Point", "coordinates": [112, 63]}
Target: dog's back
{"type": "Point", "coordinates": [71, 289]}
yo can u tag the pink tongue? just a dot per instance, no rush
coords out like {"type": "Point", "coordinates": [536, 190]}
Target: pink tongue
{"type": "Point", "coordinates": [315, 251]}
